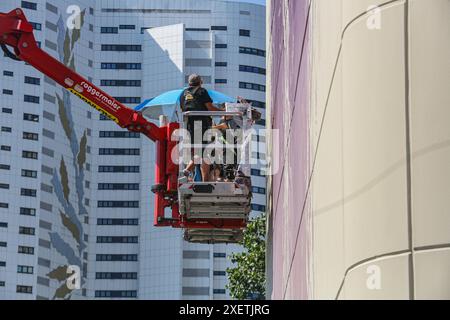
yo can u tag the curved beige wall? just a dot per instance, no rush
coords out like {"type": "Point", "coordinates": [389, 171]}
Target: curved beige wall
{"type": "Point", "coordinates": [380, 192]}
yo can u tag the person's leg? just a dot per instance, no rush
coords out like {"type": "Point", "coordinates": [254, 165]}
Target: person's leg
{"type": "Point", "coordinates": [206, 162]}
{"type": "Point", "coordinates": [189, 168]}
{"type": "Point", "coordinates": [206, 171]}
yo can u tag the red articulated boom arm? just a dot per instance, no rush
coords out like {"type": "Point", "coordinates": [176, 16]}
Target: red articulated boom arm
{"type": "Point", "coordinates": [17, 33]}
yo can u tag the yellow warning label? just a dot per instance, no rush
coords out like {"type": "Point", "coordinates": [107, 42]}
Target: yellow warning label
{"type": "Point", "coordinates": [93, 105]}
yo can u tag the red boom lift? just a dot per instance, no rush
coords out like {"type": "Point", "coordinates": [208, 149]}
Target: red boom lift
{"type": "Point", "coordinates": [17, 33]}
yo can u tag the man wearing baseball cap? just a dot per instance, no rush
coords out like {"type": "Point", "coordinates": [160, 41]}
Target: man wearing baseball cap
{"type": "Point", "coordinates": [196, 98]}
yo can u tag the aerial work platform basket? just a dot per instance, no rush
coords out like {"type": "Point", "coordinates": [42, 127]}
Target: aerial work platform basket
{"type": "Point", "coordinates": [225, 201]}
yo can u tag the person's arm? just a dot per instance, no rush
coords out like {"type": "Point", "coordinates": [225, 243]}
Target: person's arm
{"type": "Point", "coordinates": [221, 126]}
{"type": "Point", "coordinates": [212, 108]}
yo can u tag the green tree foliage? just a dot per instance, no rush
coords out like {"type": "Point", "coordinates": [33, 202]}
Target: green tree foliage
{"type": "Point", "coordinates": [248, 277]}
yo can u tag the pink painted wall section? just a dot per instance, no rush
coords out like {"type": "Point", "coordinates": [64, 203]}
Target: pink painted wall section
{"type": "Point", "coordinates": [289, 109]}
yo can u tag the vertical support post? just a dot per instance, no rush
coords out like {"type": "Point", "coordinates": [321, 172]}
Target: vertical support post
{"type": "Point", "coordinates": [160, 176]}
{"type": "Point", "coordinates": [172, 169]}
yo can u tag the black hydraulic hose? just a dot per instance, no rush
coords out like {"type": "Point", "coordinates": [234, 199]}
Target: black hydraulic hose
{"type": "Point", "coordinates": [8, 53]}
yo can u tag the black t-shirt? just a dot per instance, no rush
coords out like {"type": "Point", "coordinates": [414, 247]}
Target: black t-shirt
{"type": "Point", "coordinates": [194, 99]}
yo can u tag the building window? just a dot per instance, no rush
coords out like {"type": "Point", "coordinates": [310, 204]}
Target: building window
{"type": "Point", "coordinates": [29, 5]}
{"type": "Point", "coordinates": [116, 257]}
{"type": "Point", "coordinates": [118, 204]}
{"type": "Point", "coordinates": [5, 148]}
{"type": "Point", "coordinates": [116, 275]}
{"type": "Point", "coordinates": [28, 212]}
{"type": "Point", "coordinates": [119, 152]}
{"type": "Point", "coordinates": [258, 155]}
{"type": "Point", "coordinates": [220, 255]}
{"type": "Point", "coordinates": [221, 46]}
{"type": "Point", "coordinates": [198, 44]}
{"type": "Point", "coordinates": [25, 269]}
{"type": "Point", "coordinates": [115, 294]}
{"type": "Point", "coordinates": [27, 231]}
{"type": "Point", "coordinates": [128, 100]}
{"type": "Point", "coordinates": [25, 250]}
{"type": "Point", "coordinates": [3, 225]}
{"type": "Point", "coordinates": [4, 186]}
{"type": "Point", "coordinates": [2, 263]}
{"type": "Point", "coordinates": [121, 66]}
{"type": "Point", "coordinates": [29, 173]}
{"type": "Point", "coordinates": [195, 291]}
{"type": "Point", "coordinates": [197, 29]}
{"type": "Point", "coordinates": [102, 117]}
{"type": "Point", "coordinates": [198, 62]}
{"type": "Point", "coordinates": [3, 244]}
{"type": "Point", "coordinates": [30, 117]}
{"type": "Point", "coordinates": [8, 92]}
{"type": "Point", "coordinates": [24, 289]}
{"type": "Point", "coordinates": [31, 80]}
{"type": "Point", "coordinates": [6, 129]}
{"type": "Point", "coordinates": [220, 273]}
{"type": "Point", "coordinates": [221, 81]}
{"type": "Point", "coordinates": [252, 86]}
{"type": "Point", "coordinates": [258, 207]}
{"type": "Point", "coordinates": [2, 283]}
{"type": "Point", "coordinates": [244, 33]}
{"type": "Point", "coordinates": [219, 291]}
{"type": "Point", "coordinates": [244, 68]}
{"type": "Point", "coordinates": [121, 47]}
{"type": "Point", "coordinates": [119, 169]}
{"type": "Point", "coordinates": [30, 155]}
{"type": "Point", "coordinates": [117, 222]}
{"type": "Point", "coordinates": [4, 205]}
{"type": "Point", "coordinates": [7, 110]}
{"type": "Point", "coordinates": [30, 136]}
{"type": "Point", "coordinates": [219, 28]}
{"type": "Point", "coordinates": [258, 190]}
{"type": "Point", "coordinates": [252, 51]}
{"type": "Point", "coordinates": [8, 73]}
{"type": "Point", "coordinates": [31, 99]}
{"type": "Point", "coordinates": [118, 186]}
{"type": "Point", "coordinates": [109, 30]}
{"type": "Point", "coordinates": [119, 134]}
{"type": "Point", "coordinates": [108, 239]}
{"type": "Point", "coordinates": [36, 26]}
{"type": "Point", "coordinates": [257, 173]}
{"type": "Point", "coordinates": [5, 167]}
{"type": "Point", "coordinates": [120, 83]}
{"type": "Point", "coordinates": [28, 192]}
{"type": "Point", "coordinates": [127, 27]}
{"type": "Point", "coordinates": [51, 8]}
{"type": "Point", "coordinates": [221, 64]}
{"type": "Point", "coordinates": [258, 138]}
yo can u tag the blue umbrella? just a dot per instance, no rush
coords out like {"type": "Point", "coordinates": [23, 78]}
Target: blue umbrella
{"type": "Point", "coordinates": [166, 103]}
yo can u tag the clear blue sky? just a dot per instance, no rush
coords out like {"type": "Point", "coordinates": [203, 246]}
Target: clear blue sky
{"type": "Point", "coordinates": [251, 1]}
